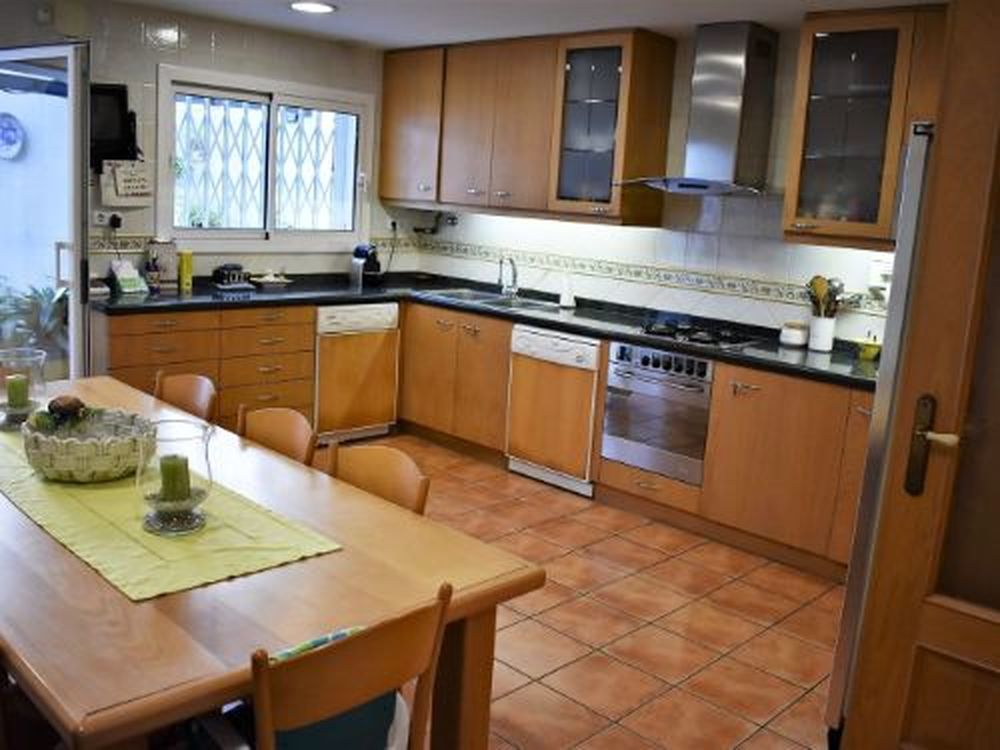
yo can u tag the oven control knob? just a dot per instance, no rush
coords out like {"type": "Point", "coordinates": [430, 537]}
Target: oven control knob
{"type": "Point", "coordinates": [622, 353]}
{"type": "Point", "coordinates": [668, 364]}
{"type": "Point", "coordinates": [656, 362]}
{"type": "Point", "coordinates": [702, 369]}
{"type": "Point", "coordinates": [689, 367]}
{"type": "Point", "coordinates": [645, 360]}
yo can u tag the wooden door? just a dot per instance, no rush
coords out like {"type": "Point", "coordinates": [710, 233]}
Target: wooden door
{"type": "Point", "coordinates": [412, 92]}
{"type": "Point", "coordinates": [427, 390]}
{"type": "Point", "coordinates": [852, 469]}
{"type": "Point", "coordinates": [551, 415]}
{"type": "Point", "coordinates": [773, 456]}
{"type": "Point", "coordinates": [467, 125]}
{"type": "Point", "coordinates": [522, 133]}
{"type": "Point", "coordinates": [481, 377]}
{"type": "Point", "coordinates": [356, 386]}
{"type": "Point", "coordinates": [927, 668]}
{"type": "Point", "coordinates": [847, 124]}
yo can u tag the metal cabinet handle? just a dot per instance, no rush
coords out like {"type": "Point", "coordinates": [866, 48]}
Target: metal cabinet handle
{"type": "Point", "coordinates": [268, 369]}
{"type": "Point", "coordinates": [447, 325]}
{"type": "Point", "coordinates": [162, 349]}
{"type": "Point", "coordinates": [864, 411]}
{"type": "Point", "coordinates": [423, 187]}
{"type": "Point", "coordinates": [473, 191]}
{"type": "Point", "coordinates": [269, 317]}
{"type": "Point", "coordinates": [740, 388]}
{"type": "Point", "coordinates": [267, 397]}
{"type": "Point", "coordinates": [804, 226]}
{"type": "Point", "coordinates": [470, 329]}
{"type": "Point", "coordinates": [166, 324]}
{"type": "Point", "coordinates": [271, 341]}
{"type": "Point", "coordinates": [502, 194]}
{"type": "Point", "coordinates": [646, 485]}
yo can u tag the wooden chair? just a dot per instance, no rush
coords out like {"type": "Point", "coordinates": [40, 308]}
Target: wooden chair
{"type": "Point", "coordinates": [383, 471]}
{"type": "Point", "coordinates": [194, 394]}
{"type": "Point", "coordinates": [285, 431]}
{"type": "Point", "coordinates": [329, 680]}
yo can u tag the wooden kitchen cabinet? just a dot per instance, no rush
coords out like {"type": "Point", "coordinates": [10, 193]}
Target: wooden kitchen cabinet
{"type": "Point", "coordinates": [481, 377]}
{"type": "Point", "coordinates": [852, 469]}
{"type": "Point", "coordinates": [610, 124]}
{"type": "Point", "coordinates": [359, 372]}
{"type": "Point", "coordinates": [773, 459]}
{"type": "Point", "coordinates": [412, 94]}
{"type": "Point", "coordinates": [863, 78]}
{"type": "Point", "coordinates": [430, 348]}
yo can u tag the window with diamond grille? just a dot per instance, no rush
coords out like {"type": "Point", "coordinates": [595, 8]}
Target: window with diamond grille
{"type": "Point", "coordinates": [315, 166]}
{"type": "Point", "coordinates": [220, 162]}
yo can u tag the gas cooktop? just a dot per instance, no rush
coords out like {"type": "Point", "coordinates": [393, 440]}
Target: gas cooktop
{"type": "Point", "coordinates": [720, 337]}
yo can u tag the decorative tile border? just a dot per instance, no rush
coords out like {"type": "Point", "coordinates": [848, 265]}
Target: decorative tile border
{"type": "Point", "coordinates": [678, 278]}
{"type": "Point", "coordinates": [123, 243]}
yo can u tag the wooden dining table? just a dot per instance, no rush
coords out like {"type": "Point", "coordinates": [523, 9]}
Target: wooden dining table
{"type": "Point", "coordinates": [107, 671]}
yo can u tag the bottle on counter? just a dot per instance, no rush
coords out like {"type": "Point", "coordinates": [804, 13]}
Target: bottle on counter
{"type": "Point", "coordinates": [185, 271]}
{"type": "Point", "coordinates": [152, 274]}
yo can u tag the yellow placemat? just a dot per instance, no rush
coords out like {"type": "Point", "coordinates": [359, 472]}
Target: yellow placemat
{"type": "Point", "coordinates": [102, 525]}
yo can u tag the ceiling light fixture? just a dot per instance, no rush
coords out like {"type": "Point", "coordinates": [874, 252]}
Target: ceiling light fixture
{"type": "Point", "coordinates": [310, 7]}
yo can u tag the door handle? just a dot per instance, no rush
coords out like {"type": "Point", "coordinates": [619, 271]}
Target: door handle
{"type": "Point", "coordinates": [920, 444]}
{"type": "Point", "coordinates": [740, 388]}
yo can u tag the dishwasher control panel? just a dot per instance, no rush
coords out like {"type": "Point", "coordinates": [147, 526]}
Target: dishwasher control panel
{"type": "Point", "coordinates": [559, 348]}
{"type": "Point", "coordinates": [356, 318]}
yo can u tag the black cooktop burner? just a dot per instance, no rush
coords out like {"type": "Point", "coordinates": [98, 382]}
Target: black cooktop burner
{"type": "Point", "coordinates": [725, 338]}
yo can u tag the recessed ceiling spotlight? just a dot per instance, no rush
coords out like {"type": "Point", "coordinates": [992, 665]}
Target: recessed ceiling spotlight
{"type": "Point", "coordinates": [310, 7]}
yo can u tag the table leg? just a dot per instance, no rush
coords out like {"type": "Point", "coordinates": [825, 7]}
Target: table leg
{"type": "Point", "coordinates": [460, 719]}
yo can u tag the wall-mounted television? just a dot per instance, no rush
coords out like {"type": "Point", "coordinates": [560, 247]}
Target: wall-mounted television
{"type": "Point", "coordinates": [112, 125]}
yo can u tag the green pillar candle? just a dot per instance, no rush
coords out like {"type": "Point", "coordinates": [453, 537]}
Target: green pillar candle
{"type": "Point", "coordinates": [176, 479]}
{"type": "Point", "coordinates": [17, 391]}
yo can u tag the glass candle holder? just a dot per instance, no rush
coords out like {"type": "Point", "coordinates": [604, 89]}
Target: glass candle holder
{"type": "Point", "coordinates": [22, 378]}
{"type": "Point", "coordinates": [177, 478]}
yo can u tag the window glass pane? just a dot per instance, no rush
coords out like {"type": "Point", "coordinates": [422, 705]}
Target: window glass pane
{"type": "Point", "coordinates": [315, 169]}
{"type": "Point", "coordinates": [220, 152]}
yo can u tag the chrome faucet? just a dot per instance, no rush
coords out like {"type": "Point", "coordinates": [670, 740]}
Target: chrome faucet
{"type": "Point", "coordinates": [508, 290]}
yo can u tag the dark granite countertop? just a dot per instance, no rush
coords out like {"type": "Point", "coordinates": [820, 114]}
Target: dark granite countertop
{"type": "Point", "coordinates": [601, 320]}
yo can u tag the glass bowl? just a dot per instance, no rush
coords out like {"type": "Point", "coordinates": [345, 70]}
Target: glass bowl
{"type": "Point", "coordinates": [176, 479]}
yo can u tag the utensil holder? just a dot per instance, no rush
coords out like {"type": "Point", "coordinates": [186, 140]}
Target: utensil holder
{"type": "Point", "coordinates": [821, 334]}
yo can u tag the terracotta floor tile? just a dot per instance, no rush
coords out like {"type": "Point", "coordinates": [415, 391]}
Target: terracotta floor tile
{"type": "Point", "coordinates": [524, 514]}
{"type": "Point", "coordinates": [538, 718]}
{"type": "Point", "coordinates": [580, 572]}
{"type": "Point", "coordinates": [472, 470]}
{"type": "Point", "coordinates": [511, 485]}
{"type": "Point", "coordinates": [753, 603]}
{"type": "Point", "coordinates": [481, 496]}
{"type": "Point", "coordinates": [813, 623]}
{"type": "Point", "coordinates": [499, 743]}
{"type": "Point", "coordinates": [447, 504]}
{"type": "Point", "coordinates": [768, 740]}
{"type": "Point", "coordinates": [530, 547]}
{"type": "Point", "coordinates": [507, 616]}
{"type": "Point", "coordinates": [506, 680]}
{"type": "Point", "coordinates": [723, 559]}
{"type": "Point", "coordinates": [481, 524]}
{"type": "Point", "coordinates": [605, 685]}
{"type": "Point", "coordinates": [589, 621]}
{"type": "Point", "coordinates": [709, 625]}
{"type": "Point", "coordinates": [681, 721]}
{"type": "Point", "coordinates": [804, 722]}
{"type": "Point", "coordinates": [541, 599]}
{"type": "Point", "coordinates": [743, 690]}
{"type": "Point", "coordinates": [559, 500]}
{"type": "Point", "coordinates": [664, 538]}
{"type": "Point", "coordinates": [693, 580]}
{"type": "Point", "coordinates": [536, 650]}
{"type": "Point", "coordinates": [640, 597]}
{"type": "Point", "coordinates": [832, 600]}
{"type": "Point", "coordinates": [569, 533]}
{"type": "Point", "coordinates": [623, 553]}
{"type": "Point", "coordinates": [788, 582]}
{"type": "Point", "coordinates": [616, 737]}
{"type": "Point", "coordinates": [787, 657]}
{"type": "Point", "coordinates": [663, 654]}
{"type": "Point", "coordinates": [823, 689]}
{"type": "Point", "coordinates": [612, 519]}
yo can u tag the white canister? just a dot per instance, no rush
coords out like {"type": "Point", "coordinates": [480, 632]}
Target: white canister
{"type": "Point", "coordinates": [794, 333]}
{"type": "Point", "coordinates": [821, 334]}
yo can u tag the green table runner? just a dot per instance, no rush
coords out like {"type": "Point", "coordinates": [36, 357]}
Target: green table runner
{"type": "Point", "coordinates": [102, 525]}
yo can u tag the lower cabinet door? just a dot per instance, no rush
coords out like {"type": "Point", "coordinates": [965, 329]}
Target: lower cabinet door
{"type": "Point", "coordinates": [852, 474]}
{"type": "Point", "coordinates": [427, 389]}
{"type": "Point", "coordinates": [356, 380]}
{"type": "Point", "coordinates": [481, 378]}
{"type": "Point", "coordinates": [772, 464]}
{"type": "Point", "coordinates": [551, 415]}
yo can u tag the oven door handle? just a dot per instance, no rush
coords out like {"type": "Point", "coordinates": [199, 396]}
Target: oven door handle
{"type": "Point", "coordinates": [624, 375]}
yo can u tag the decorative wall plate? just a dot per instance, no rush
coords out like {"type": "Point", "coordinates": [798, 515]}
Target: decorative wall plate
{"type": "Point", "coordinates": [11, 136]}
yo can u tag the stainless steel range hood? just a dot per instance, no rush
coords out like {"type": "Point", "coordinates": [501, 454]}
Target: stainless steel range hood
{"type": "Point", "coordinates": [732, 101]}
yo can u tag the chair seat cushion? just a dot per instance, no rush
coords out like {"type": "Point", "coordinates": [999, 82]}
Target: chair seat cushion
{"type": "Point", "coordinates": [365, 727]}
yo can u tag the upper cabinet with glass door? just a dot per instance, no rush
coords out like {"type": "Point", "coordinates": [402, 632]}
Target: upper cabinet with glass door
{"type": "Point", "coordinates": [862, 77]}
{"type": "Point", "coordinates": [611, 120]}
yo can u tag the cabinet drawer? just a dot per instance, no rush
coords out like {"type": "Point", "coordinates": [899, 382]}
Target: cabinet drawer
{"type": "Point", "coordinates": [266, 368]}
{"type": "Point", "coordinates": [247, 342]}
{"type": "Point", "coordinates": [143, 377]}
{"type": "Point", "coordinates": [267, 316]}
{"type": "Point", "coordinates": [651, 486]}
{"type": "Point", "coordinates": [163, 348]}
{"type": "Point", "coordinates": [131, 325]}
{"type": "Point", "coordinates": [295, 393]}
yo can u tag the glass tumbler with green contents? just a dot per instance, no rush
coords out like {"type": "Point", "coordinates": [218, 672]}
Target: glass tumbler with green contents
{"type": "Point", "coordinates": [176, 479]}
{"type": "Point", "coordinates": [22, 379]}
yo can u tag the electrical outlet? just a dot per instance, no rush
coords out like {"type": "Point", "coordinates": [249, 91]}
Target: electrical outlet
{"type": "Point", "coordinates": [103, 218]}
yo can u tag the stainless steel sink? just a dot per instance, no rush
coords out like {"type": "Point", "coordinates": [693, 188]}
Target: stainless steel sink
{"type": "Point", "coordinates": [521, 303]}
{"type": "Point", "coordinates": [466, 295]}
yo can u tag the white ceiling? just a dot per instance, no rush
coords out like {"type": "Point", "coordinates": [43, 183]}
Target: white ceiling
{"type": "Point", "coordinates": [400, 23]}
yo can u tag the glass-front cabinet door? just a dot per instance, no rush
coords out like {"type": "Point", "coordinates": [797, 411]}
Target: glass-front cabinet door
{"type": "Point", "coordinates": [848, 124]}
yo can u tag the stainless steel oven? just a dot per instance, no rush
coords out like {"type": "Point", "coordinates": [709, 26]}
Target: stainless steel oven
{"type": "Point", "coordinates": [656, 411]}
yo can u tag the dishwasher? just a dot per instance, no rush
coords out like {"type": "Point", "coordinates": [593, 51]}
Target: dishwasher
{"type": "Point", "coordinates": [357, 368]}
{"type": "Point", "coordinates": [550, 416]}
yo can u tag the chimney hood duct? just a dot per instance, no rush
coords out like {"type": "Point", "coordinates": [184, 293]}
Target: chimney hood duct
{"type": "Point", "coordinates": [732, 102]}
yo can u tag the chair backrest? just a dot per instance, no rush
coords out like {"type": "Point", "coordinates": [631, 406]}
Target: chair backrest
{"type": "Point", "coordinates": [283, 430]}
{"type": "Point", "coordinates": [194, 394]}
{"type": "Point", "coordinates": [383, 471]}
{"type": "Point", "coordinates": [322, 683]}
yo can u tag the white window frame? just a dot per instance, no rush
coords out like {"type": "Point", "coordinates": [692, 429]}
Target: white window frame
{"type": "Point", "coordinates": [173, 78]}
